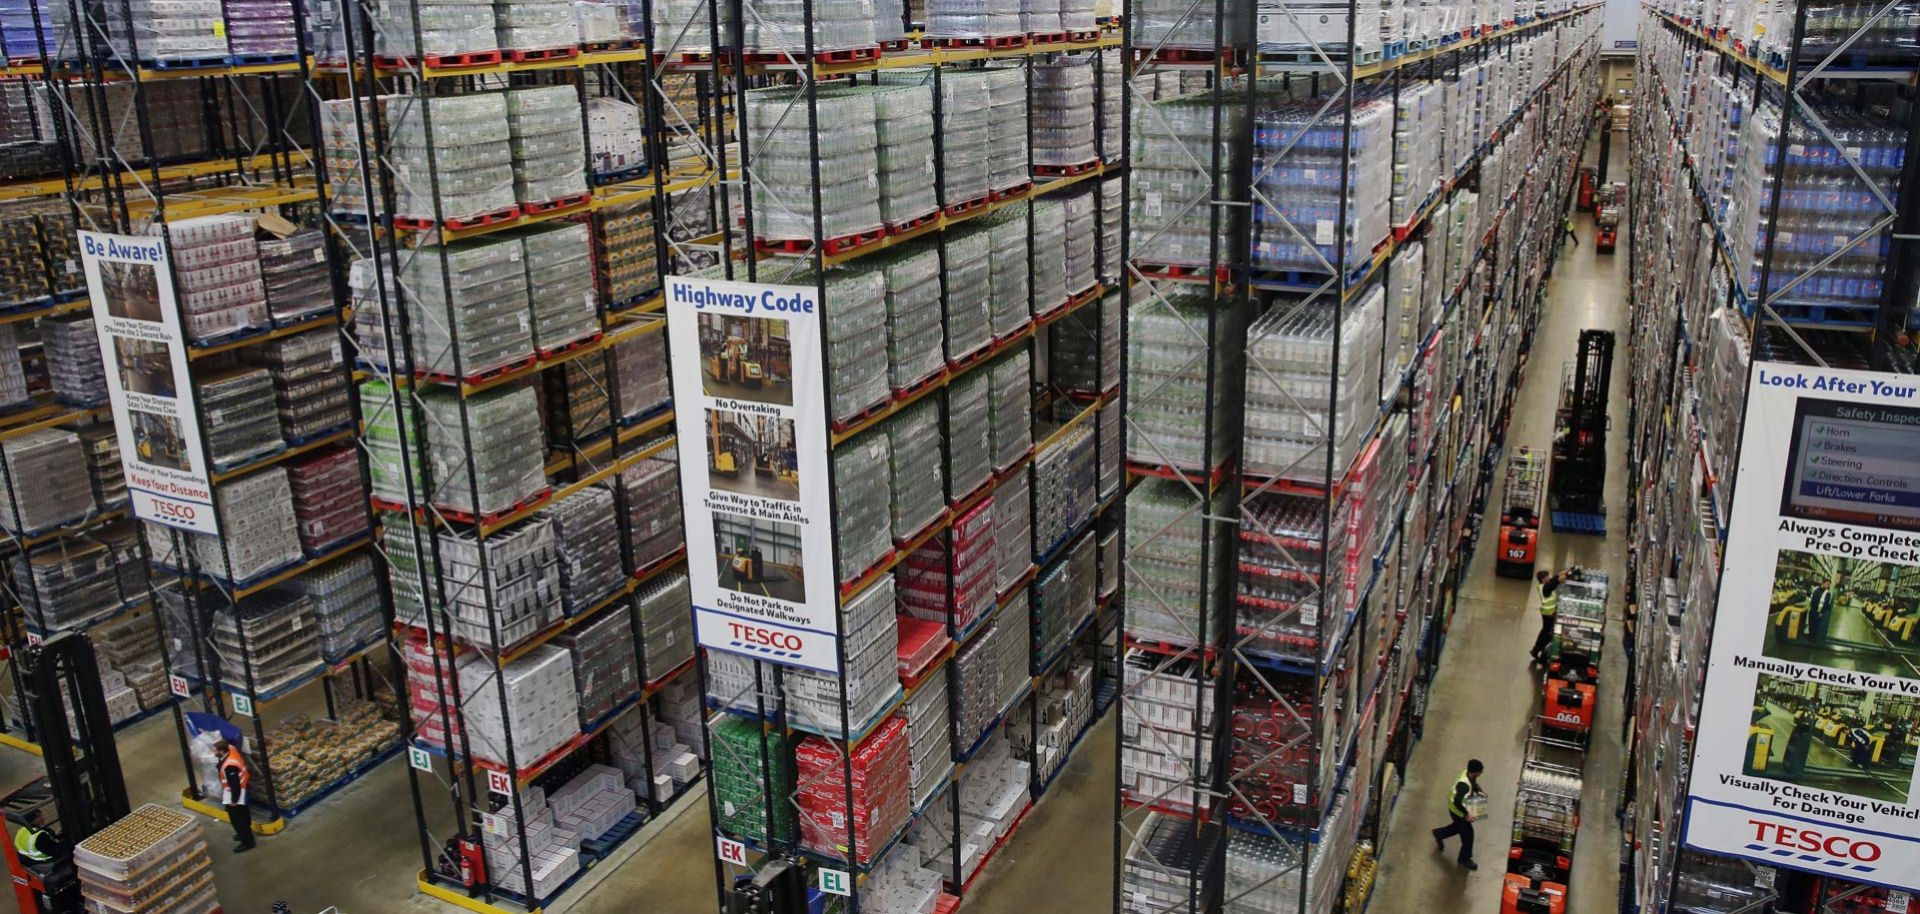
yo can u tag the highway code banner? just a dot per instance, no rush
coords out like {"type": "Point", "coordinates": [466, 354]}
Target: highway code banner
{"type": "Point", "coordinates": [751, 419]}
{"type": "Point", "coordinates": [1811, 715]}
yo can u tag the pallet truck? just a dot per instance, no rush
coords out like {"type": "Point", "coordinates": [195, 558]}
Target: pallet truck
{"type": "Point", "coordinates": [1520, 516]}
{"type": "Point", "coordinates": [83, 791]}
{"type": "Point", "coordinates": [721, 461]}
{"type": "Point", "coordinates": [1546, 820]}
{"type": "Point", "coordinates": [1570, 688]}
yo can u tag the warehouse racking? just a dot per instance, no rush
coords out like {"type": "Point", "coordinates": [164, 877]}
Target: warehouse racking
{"type": "Point", "coordinates": [1739, 110]}
{"type": "Point", "coordinates": [1366, 296]}
{"type": "Point", "coordinates": [166, 140]}
{"type": "Point", "coordinates": [974, 448]}
{"type": "Point", "coordinates": [502, 200]}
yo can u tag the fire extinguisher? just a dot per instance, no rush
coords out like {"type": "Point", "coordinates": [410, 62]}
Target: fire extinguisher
{"type": "Point", "coordinates": [472, 858]}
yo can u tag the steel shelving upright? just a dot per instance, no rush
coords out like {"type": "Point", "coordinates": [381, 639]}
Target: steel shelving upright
{"type": "Point", "coordinates": [516, 424]}
{"type": "Point", "coordinates": [1742, 112]}
{"type": "Point", "coordinates": [152, 138]}
{"type": "Point", "coordinates": [989, 670]}
{"type": "Point", "coordinates": [1310, 491]}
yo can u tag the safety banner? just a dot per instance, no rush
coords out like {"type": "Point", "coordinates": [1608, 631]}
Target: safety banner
{"type": "Point", "coordinates": [751, 418]}
{"type": "Point", "coordinates": [1805, 752]}
{"type": "Point", "coordinates": [137, 320]}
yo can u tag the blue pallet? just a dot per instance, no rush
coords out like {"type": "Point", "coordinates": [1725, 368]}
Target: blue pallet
{"type": "Point", "coordinates": [615, 177]}
{"type": "Point", "coordinates": [186, 63]}
{"type": "Point", "coordinates": [1579, 522]}
{"type": "Point", "coordinates": [259, 60]}
{"type": "Point", "coordinates": [599, 848]}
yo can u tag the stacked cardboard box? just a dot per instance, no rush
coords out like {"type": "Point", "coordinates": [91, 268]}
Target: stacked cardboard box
{"type": "Point", "coordinates": [673, 752]}
{"type": "Point", "coordinates": [586, 532]}
{"type": "Point", "coordinates": [65, 584]}
{"type": "Point", "coordinates": [653, 509]}
{"type": "Point", "coordinates": [914, 463]}
{"type": "Point", "coordinates": [666, 625]}
{"type": "Point", "coordinates": [309, 388]}
{"type": "Point", "coordinates": [551, 851]}
{"type": "Point", "coordinates": [750, 796]}
{"type": "Point", "coordinates": [516, 596]}
{"type": "Point", "coordinates": [560, 287]}
{"type": "Point", "coordinates": [329, 499]}
{"type": "Point", "coordinates": [130, 645]}
{"type": "Point", "coordinates": [45, 491]}
{"type": "Point", "coordinates": [593, 803]}
{"type": "Point", "coordinates": [922, 579]}
{"type": "Point", "coordinates": [104, 472]}
{"type": "Point", "coordinates": [217, 280]}
{"type": "Point", "coordinates": [628, 267]}
{"type": "Point", "coordinates": [294, 269]}
{"type": "Point", "coordinates": [257, 530]}
{"type": "Point", "coordinates": [928, 737]}
{"type": "Point", "coordinates": [549, 152]}
{"type": "Point", "coordinates": [240, 421]}
{"type": "Point", "coordinates": [1012, 530]}
{"type": "Point", "coordinates": [153, 860]}
{"type": "Point", "coordinates": [73, 359]}
{"type": "Point", "coordinates": [881, 787]}
{"type": "Point", "coordinates": [346, 604]}
{"type": "Point", "coordinates": [605, 672]}
{"type": "Point", "coordinates": [259, 645]}
{"type": "Point", "coordinates": [541, 705]}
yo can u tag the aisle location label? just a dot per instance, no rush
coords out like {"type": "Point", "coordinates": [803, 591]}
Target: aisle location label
{"type": "Point", "coordinates": [177, 684]}
{"type": "Point", "coordinates": [243, 705]}
{"type": "Point", "coordinates": [836, 882]}
{"type": "Point", "coordinates": [732, 852]}
{"type": "Point", "coordinates": [419, 759]}
{"type": "Point", "coordinates": [498, 782]}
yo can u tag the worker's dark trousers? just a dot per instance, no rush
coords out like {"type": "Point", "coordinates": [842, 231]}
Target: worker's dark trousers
{"type": "Point", "coordinates": [1460, 827]}
{"type": "Point", "coordinates": [1545, 637]}
{"type": "Point", "coordinates": [241, 817]}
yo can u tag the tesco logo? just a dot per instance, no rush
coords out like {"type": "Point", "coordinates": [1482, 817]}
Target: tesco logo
{"type": "Point", "coordinates": [755, 636]}
{"type": "Point", "coordinates": [1788, 841]}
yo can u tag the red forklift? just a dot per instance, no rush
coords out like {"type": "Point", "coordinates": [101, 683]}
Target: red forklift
{"type": "Point", "coordinates": [83, 790]}
{"type": "Point", "coordinates": [1546, 819]}
{"type": "Point", "coordinates": [1520, 513]}
{"type": "Point", "coordinates": [1606, 217]}
{"type": "Point", "coordinates": [1588, 178]}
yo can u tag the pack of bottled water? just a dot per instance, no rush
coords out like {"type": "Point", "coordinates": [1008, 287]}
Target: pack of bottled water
{"type": "Point", "coordinates": [1300, 400]}
{"type": "Point", "coordinates": [462, 166]}
{"type": "Point", "coordinates": [781, 160]}
{"type": "Point", "coordinates": [1170, 356]}
{"type": "Point", "coordinates": [549, 150]}
{"type": "Point", "coordinates": [1063, 109]}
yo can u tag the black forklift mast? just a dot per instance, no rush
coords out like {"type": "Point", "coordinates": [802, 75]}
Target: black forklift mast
{"type": "Point", "coordinates": [1579, 478]}
{"type": "Point", "coordinates": [83, 764]}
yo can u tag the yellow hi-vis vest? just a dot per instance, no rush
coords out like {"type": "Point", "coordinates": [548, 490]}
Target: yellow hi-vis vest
{"type": "Point", "coordinates": [1456, 800]}
{"type": "Point", "coordinates": [26, 843]}
{"type": "Point", "coordinates": [1549, 601]}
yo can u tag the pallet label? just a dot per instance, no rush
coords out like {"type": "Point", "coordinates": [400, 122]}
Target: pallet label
{"type": "Point", "coordinates": [754, 465]}
{"type": "Point", "coordinates": [731, 852]}
{"type": "Point", "coordinates": [835, 882]}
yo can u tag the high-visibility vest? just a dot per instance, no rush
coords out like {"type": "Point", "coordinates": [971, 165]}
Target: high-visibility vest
{"type": "Point", "coordinates": [1549, 601]}
{"type": "Point", "coordinates": [1456, 798]}
{"type": "Point", "coordinates": [235, 760]}
{"type": "Point", "coordinates": [26, 843]}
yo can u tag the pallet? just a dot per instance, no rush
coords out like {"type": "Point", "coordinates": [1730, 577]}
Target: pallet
{"type": "Point", "coordinates": [228, 336]}
{"type": "Point", "coordinates": [602, 179]}
{"type": "Point", "coordinates": [263, 60]}
{"type": "Point", "coordinates": [898, 44]}
{"type": "Point", "coordinates": [598, 848]}
{"type": "Point", "coordinates": [185, 63]}
{"type": "Point", "coordinates": [862, 416]}
{"type": "Point", "coordinates": [1062, 171]}
{"type": "Point", "coordinates": [903, 394]}
{"type": "Point", "coordinates": [547, 207]}
{"type": "Point", "coordinates": [441, 377]}
{"type": "Point", "coordinates": [1034, 38]}
{"type": "Point", "coordinates": [842, 56]}
{"type": "Point", "coordinates": [832, 247]}
{"type": "Point", "coordinates": [901, 228]}
{"type": "Point", "coordinates": [1017, 190]}
{"type": "Point", "coordinates": [1394, 50]}
{"type": "Point", "coordinates": [1181, 271]}
{"type": "Point", "coordinates": [1180, 56]}
{"type": "Point", "coordinates": [494, 517]}
{"type": "Point", "coordinates": [554, 352]}
{"type": "Point", "coordinates": [491, 217]}
{"type": "Point", "coordinates": [441, 61]}
{"type": "Point", "coordinates": [525, 56]}
{"type": "Point", "coordinates": [997, 42]}
{"type": "Point", "coordinates": [846, 587]}
{"type": "Point", "coordinates": [1081, 35]}
{"type": "Point", "coordinates": [968, 206]}
{"type": "Point", "coordinates": [228, 466]}
{"type": "Point", "coordinates": [623, 44]}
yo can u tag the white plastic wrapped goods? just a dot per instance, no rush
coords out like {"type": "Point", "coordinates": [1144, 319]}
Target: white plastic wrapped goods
{"type": "Point", "coordinates": [1010, 409]}
{"type": "Point", "coordinates": [1167, 356]}
{"type": "Point", "coordinates": [683, 27]}
{"type": "Point", "coordinates": [480, 295]}
{"type": "Point", "coordinates": [1171, 213]}
{"type": "Point", "coordinates": [782, 161]}
{"type": "Point", "coordinates": [970, 430]}
{"type": "Point", "coordinates": [446, 28]}
{"type": "Point", "coordinates": [973, 18]}
{"type": "Point", "coordinates": [1082, 229]}
{"type": "Point", "coordinates": [1077, 15]}
{"type": "Point", "coordinates": [1040, 17]}
{"type": "Point", "coordinates": [560, 286]}
{"type": "Point", "coordinates": [536, 25]}
{"type": "Point", "coordinates": [915, 338]}
{"type": "Point", "coordinates": [1007, 127]}
{"type": "Point", "coordinates": [46, 489]}
{"type": "Point", "coordinates": [508, 463]}
{"type": "Point", "coordinates": [1063, 109]}
{"type": "Point", "coordinates": [904, 125]}
{"type": "Point", "coordinates": [779, 26]}
{"type": "Point", "coordinates": [1292, 385]}
{"type": "Point", "coordinates": [1013, 529]}
{"type": "Point", "coordinates": [466, 167]}
{"type": "Point", "coordinates": [1296, 149]}
{"type": "Point", "coordinates": [258, 530]}
{"type": "Point", "coordinates": [1050, 256]}
{"type": "Point", "coordinates": [541, 705]}
{"type": "Point", "coordinates": [1304, 25]}
{"type": "Point", "coordinates": [1180, 24]}
{"type": "Point", "coordinates": [918, 497]}
{"type": "Point", "coordinates": [861, 497]}
{"type": "Point", "coordinates": [549, 151]}
{"type": "Point", "coordinates": [1010, 289]}
{"type": "Point", "coordinates": [969, 285]}
{"type": "Point", "coordinates": [963, 133]}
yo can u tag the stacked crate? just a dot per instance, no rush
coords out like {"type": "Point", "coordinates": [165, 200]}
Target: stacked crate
{"type": "Point", "coordinates": [882, 791]}
{"type": "Point", "coordinates": [153, 860]}
{"type": "Point", "coordinates": [329, 500]}
{"type": "Point", "coordinates": [604, 672]}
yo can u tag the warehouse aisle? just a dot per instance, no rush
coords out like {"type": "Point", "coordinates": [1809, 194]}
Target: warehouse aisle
{"type": "Point", "coordinates": [1485, 693]}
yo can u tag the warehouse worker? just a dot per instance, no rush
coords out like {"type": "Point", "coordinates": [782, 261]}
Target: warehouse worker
{"type": "Point", "coordinates": [34, 843]}
{"type": "Point", "coordinates": [1465, 788]}
{"type": "Point", "coordinates": [1820, 609]}
{"type": "Point", "coordinates": [234, 778]}
{"type": "Point", "coordinates": [1549, 608]}
{"type": "Point", "coordinates": [1572, 235]}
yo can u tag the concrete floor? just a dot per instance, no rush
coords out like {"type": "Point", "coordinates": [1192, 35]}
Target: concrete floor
{"type": "Point", "coordinates": [1485, 694]}
{"type": "Point", "coordinates": [359, 851]}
